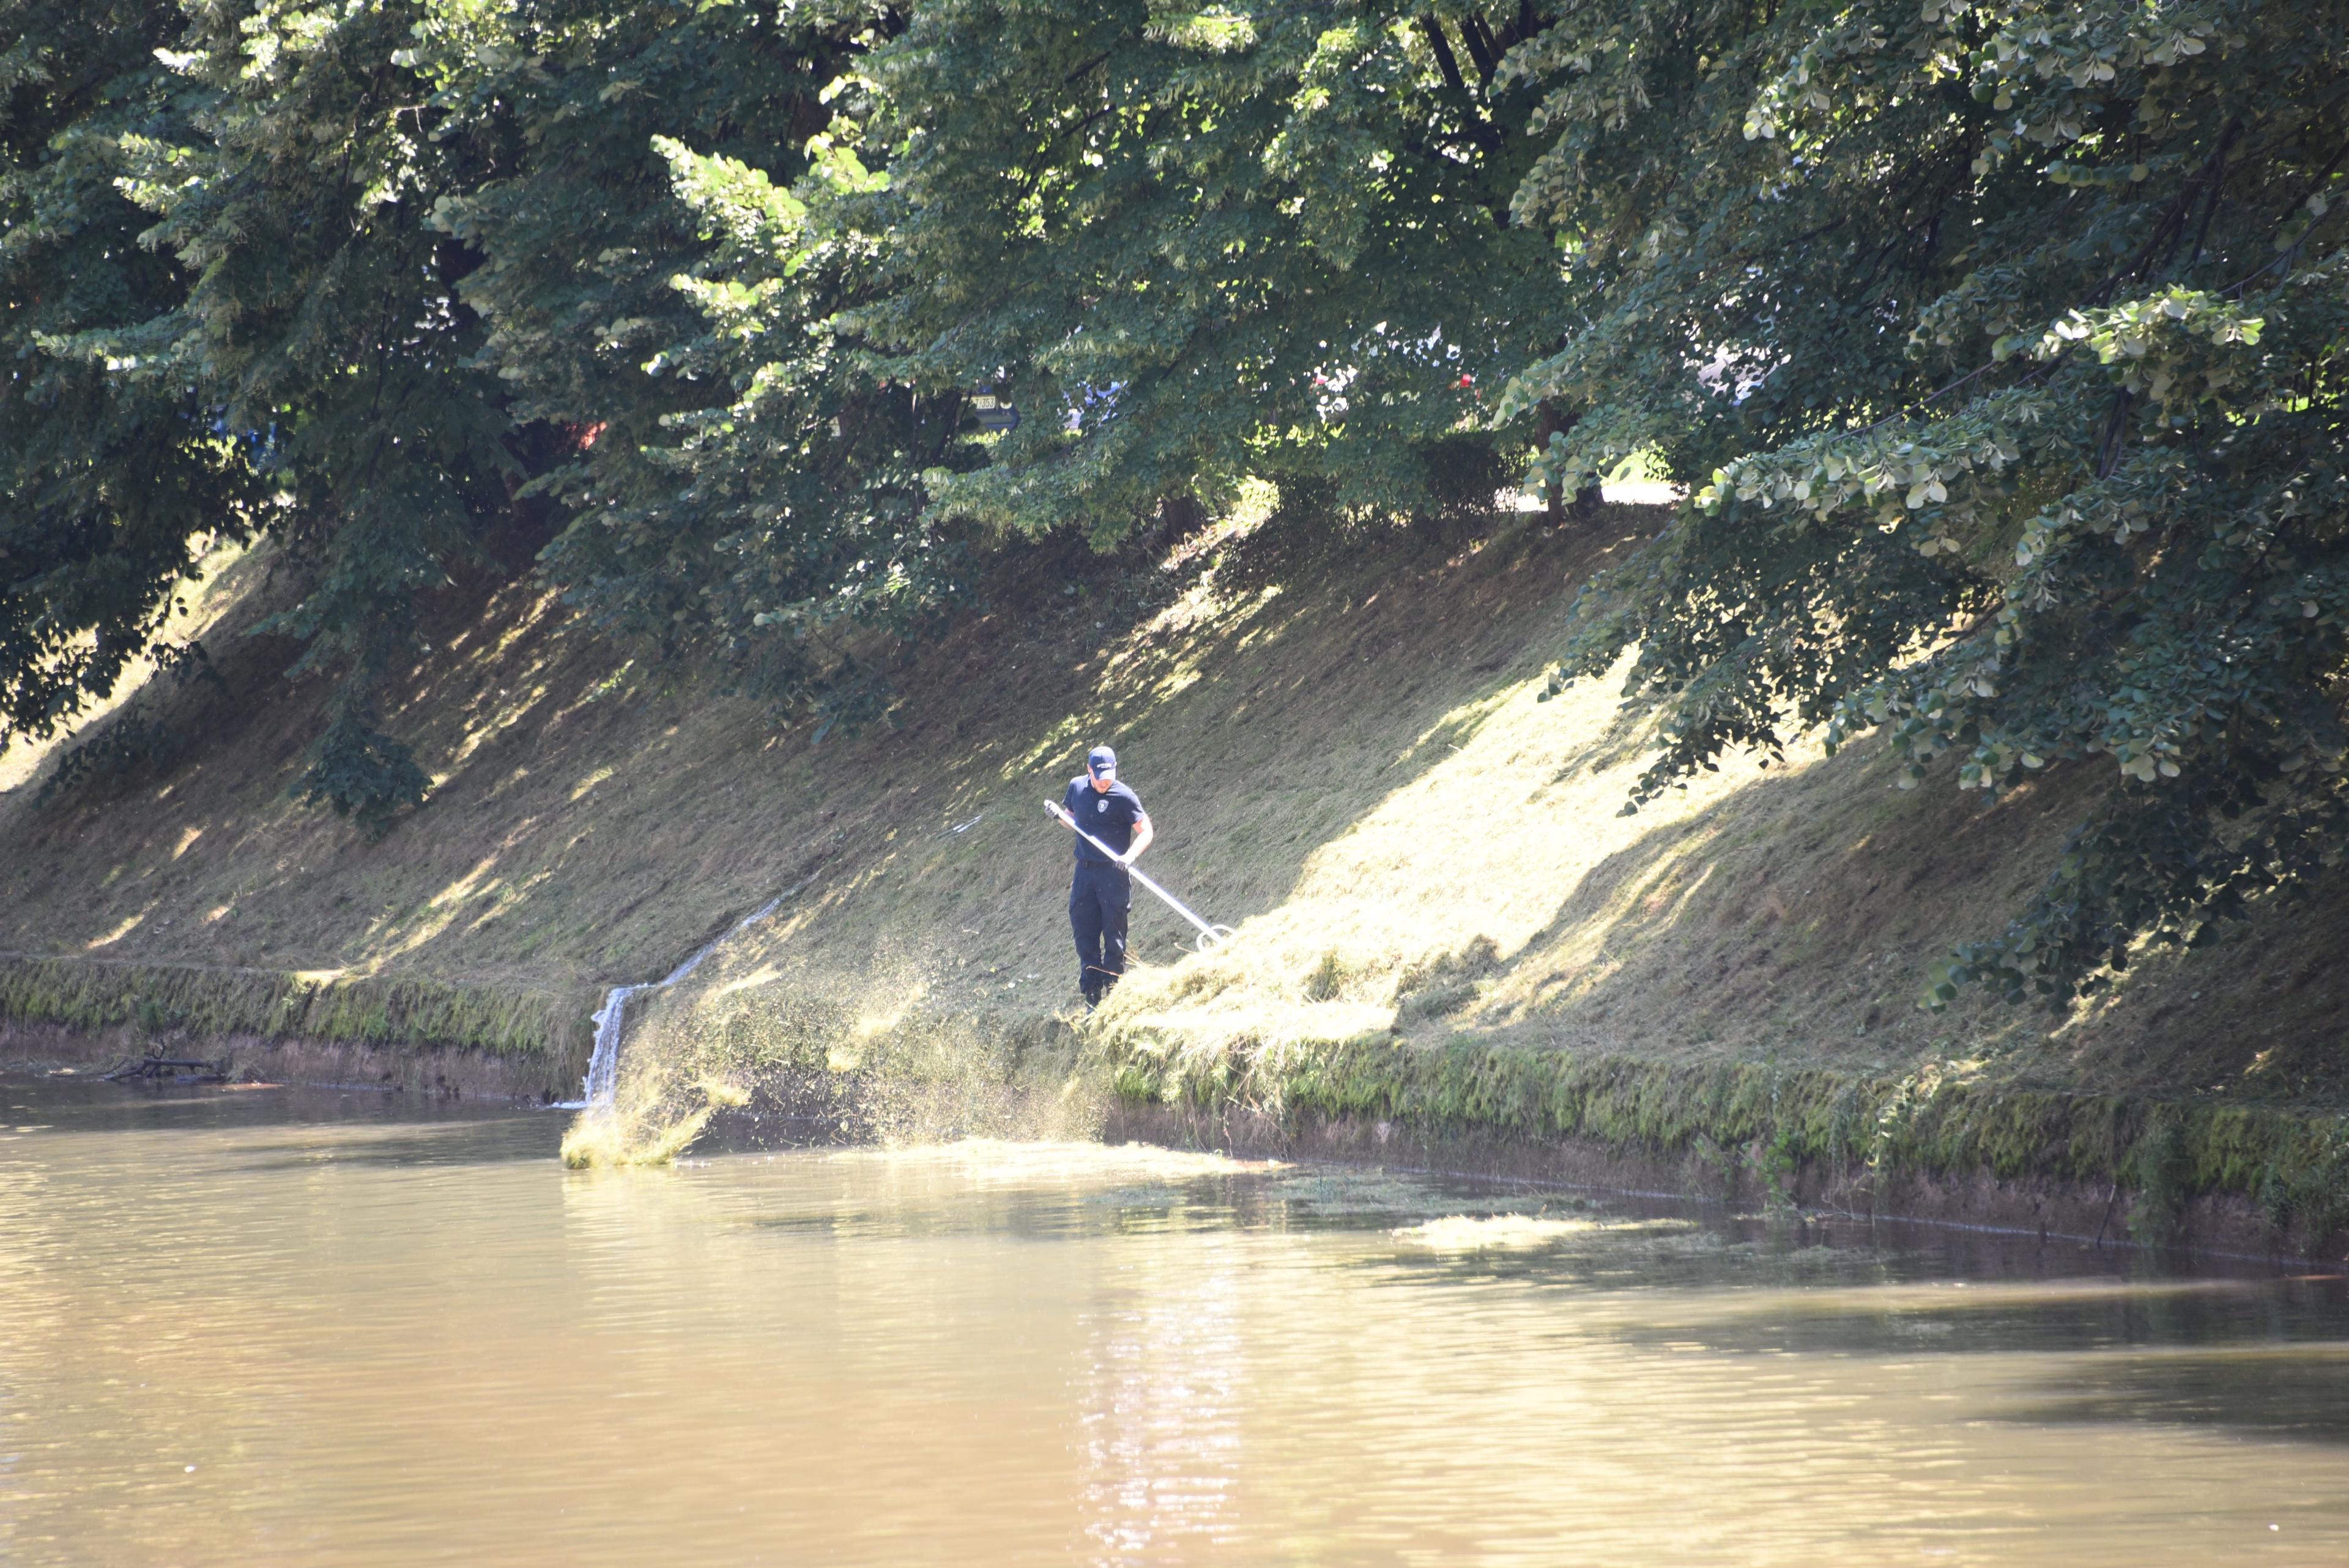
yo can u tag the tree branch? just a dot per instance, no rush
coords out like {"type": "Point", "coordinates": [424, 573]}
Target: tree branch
{"type": "Point", "coordinates": [1480, 49]}
{"type": "Point", "coordinates": [1444, 62]}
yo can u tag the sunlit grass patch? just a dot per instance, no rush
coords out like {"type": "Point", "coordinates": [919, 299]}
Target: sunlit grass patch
{"type": "Point", "coordinates": [196, 607]}
{"type": "Point", "coordinates": [1344, 745]}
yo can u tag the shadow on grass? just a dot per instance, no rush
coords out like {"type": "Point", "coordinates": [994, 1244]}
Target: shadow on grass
{"type": "Point", "coordinates": [599, 817]}
{"type": "Point", "coordinates": [1279, 694]}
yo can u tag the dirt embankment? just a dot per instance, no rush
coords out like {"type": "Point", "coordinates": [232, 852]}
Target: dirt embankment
{"type": "Point", "coordinates": [1445, 920]}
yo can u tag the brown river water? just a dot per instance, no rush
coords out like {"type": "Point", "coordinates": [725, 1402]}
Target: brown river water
{"type": "Point", "coordinates": [271, 1327]}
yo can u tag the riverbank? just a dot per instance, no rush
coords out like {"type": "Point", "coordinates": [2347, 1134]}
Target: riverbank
{"type": "Point", "coordinates": [244, 1060]}
{"type": "Point", "coordinates": [504, 1040]}
{"type": "Point", "coordinates": [2106, 1169]}
{"type": "Point", "coordinates": [1446, 925]}
{"type": "Point", "coordinates": [2096, 1168]}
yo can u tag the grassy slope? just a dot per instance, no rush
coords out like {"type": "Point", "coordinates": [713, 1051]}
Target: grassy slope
{"type": "Point", "coordinates": [1343, 751]}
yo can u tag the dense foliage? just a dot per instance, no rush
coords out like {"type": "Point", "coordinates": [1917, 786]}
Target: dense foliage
{"type": "Point", "coordinates": [1196, 246]}
{"type": "Point", "coordinates": [2000, 346]}
{"type": "Point", "coordinates": [584, 234]}
{"type": "Point", "coordinates": [105, 481]}
{"type": "Point", "coordinates": [2003, 348]}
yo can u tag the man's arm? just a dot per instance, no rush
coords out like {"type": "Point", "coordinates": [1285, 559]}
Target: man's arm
{"type": "Point", "coordinates": [1142, 834]}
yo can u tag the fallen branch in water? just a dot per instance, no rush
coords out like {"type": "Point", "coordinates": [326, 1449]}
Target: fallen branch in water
{"type": "Point", "coordinates": [179, 1070]}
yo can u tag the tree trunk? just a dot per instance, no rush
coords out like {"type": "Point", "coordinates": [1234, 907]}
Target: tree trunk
{"type": "Point", "coordinates": [1547, 423]}
{"type": "Point", "coordinates": [1180, 517]}
{"type": "Point", "coordinates": [1550, 420]}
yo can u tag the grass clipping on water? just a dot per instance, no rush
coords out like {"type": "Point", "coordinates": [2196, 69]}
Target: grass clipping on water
{"type": "Point", "coordinates": [863, 1056]}
{"type": "Point", "coordinates": [1492, 1232]}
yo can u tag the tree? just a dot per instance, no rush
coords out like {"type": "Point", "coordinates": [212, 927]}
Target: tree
{"type": "Point", "coordinates": [320, 317]}
{"type": "Point", "coordinates": [585, 234]}
{"type": "Point", "coordinates": [1187, 248]}
{"type": "Point", "coordinates": [732, 482]}
{"type": "Point", "coordinates": [108, 484]}
{"type": "Point", "coordinates": [2001, 345]}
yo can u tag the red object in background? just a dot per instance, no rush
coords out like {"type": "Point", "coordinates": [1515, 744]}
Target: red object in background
{"type": "Point", "coordinates": [588, 437]}
{"type": "Point", "coordinates": [1467, 379]}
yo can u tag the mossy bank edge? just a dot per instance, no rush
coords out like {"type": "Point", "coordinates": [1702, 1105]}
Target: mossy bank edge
{"type": "Point", "coordinates": [1931, 1144]}
{"type": "Point", "coordinates": [407, 1032]}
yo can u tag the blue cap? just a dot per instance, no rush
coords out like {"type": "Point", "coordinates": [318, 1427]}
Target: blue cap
{"type": "Point", "coordinates": [1100, 760]}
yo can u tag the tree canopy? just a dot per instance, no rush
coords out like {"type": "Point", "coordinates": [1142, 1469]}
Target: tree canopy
{"type": "Point", "coordinates": [1998, 346]}
{"type": "Point", "coordinates": [2001, 347]}
{"type": "Point", "coordinates": [105, 478]}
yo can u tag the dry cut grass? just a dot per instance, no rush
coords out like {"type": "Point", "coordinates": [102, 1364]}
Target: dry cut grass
{"type": "Point", "coordinates": [1342, 743]}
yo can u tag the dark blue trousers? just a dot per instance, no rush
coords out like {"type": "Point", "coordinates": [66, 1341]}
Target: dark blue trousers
{"type": "Point", "coordinates": [1100, 899]}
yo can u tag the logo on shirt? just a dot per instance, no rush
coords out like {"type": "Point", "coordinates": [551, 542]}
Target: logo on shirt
{"type": "Point", "coordinates": [1100, 806]}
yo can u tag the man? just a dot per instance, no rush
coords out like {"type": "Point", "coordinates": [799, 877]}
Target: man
{"type": "Point", "coordinates": [1102, 895]}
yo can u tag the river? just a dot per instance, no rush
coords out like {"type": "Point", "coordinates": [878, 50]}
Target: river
{"type": "Point", "coordinates": [286, 1327]}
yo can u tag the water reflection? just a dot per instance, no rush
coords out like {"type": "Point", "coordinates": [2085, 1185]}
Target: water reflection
{"type": "Point", "coordinates": [2299, 1393]}
{"type": "Point", "coordinates": [1159, 1401]}
{"type": "Point", "coordinates": [350, 1329]}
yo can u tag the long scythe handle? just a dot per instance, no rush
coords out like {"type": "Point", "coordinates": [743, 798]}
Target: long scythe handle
{"type": "Point", "coordinates": [1209, 936]}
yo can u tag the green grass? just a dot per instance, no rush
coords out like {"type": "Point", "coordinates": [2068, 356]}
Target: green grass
{"type": "Point", "coordinates": [1441, 908]}
{"type": "Point", "coordinates": [162, 999]}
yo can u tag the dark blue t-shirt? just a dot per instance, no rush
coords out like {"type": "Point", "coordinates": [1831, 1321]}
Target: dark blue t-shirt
{"type": "Point", "coordinates": [1108, 815]}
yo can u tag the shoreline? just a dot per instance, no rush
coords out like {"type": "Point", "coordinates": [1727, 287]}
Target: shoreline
{"type": "Point", "coordinates": [2045, 1209]}
{"type": "Point", "coordinates": [445, 1073]}
{"type": "Point", "coordinates": [2229, 1226]}
{"type": "Point", "coordinates": [2247, 1181]}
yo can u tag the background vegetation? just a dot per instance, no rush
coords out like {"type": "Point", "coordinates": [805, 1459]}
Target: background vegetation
{"type": "Point", "coordinates": [1998, 346]}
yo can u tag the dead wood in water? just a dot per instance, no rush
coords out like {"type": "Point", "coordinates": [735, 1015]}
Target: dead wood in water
{"type": "Point", "coordinates": [178, 1070]}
